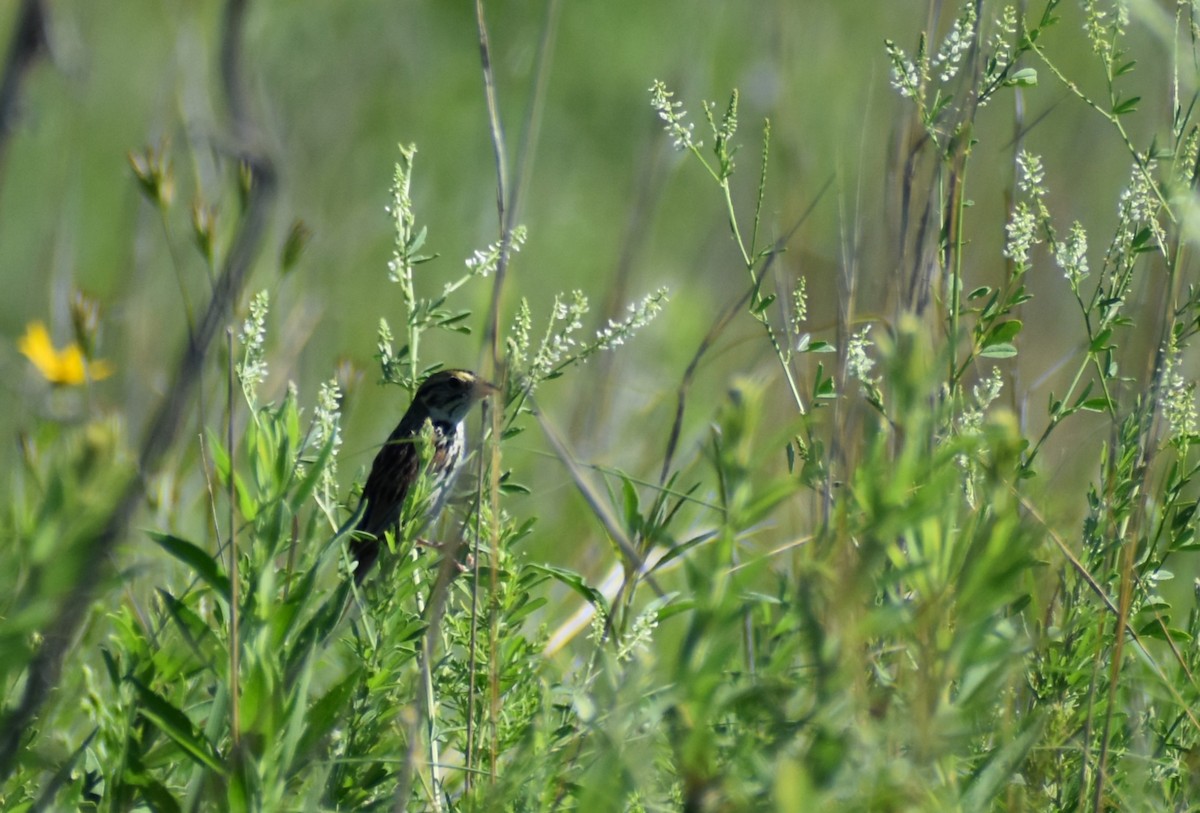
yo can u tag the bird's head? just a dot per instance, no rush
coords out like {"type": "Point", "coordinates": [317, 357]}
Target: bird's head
{"type": "Point", "coordinates": [449, 394]}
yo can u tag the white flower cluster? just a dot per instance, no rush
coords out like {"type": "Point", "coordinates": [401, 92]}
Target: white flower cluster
{"type": "Point", "coordinates": [983, 394]}
{"type": "Point", "coordinates": [729, 122]}
{"type": "Point", "coordinates": [1030, 174]}
{"type": "Point", "coordinates": [559, 347]}
{"type": "Point", "coordinates": [1021, 229]}
{"type": "Point", "coordinates": [858, 363]}
{"type": "Point", "coordinates": [482, 263]}
{"type": "Point", "coordinates": [1179, 395]}
{"type": "Point", "coordinates": [799, 305]}
{"type": "Point", "coordinates": [640, 635]}
{"type": "Point", "coordinates": [1022, 234]}
{"type": "Point", "coordinates": [327, 429]}
{"type": "Point", "coordinates": [388, 363]}
{"type": "Point", "coordinates": [400, 267]}
{"type": "Point", "coordinates": [1071, 255]}
{"type": "Point", "coordinates": [252, 370]}
{"type": "Point", "coordinates": [518, 337]}
{"type": "Point", "coordinates": [1189, 154]}
{"type": "Point", "coordinates": [957, 43]}
{"type": "Point", "coordinates": [910, 76]}
{"type": "Point", "coordinates": [1138, 204]}
{"type": "Point", "coordinates": [1103, 27]}
{"type": "Point", "coordinates": [906, 79]}
{"type": "Point", "coordinates": [673, 114]}
{"type": "Point", "coordinates": [565, 319]}
{"type": "Point", "coordinates": [640, 315]}
{"type": "Point", "coordinates": [1006, 28]}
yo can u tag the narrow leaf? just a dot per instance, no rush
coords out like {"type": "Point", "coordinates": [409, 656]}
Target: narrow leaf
{"type": "Point", "coordinates": [1127, 106]}
{"type": "Point", "coordinates": [575, 582]}
{"type": "Point", "coordinates": [178, 726]}
{"type": "Point", "coordinates": [199, 560]}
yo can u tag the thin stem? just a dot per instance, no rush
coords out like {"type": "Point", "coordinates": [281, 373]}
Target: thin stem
{"type": "Point", "coordinates": [756, 281]}
{"type": "Point", "coordinates": [1112, 118]}
{"type": "Point", "coordinates": [504, 209]}
{"type": "Point", "coordinates": [235, 721]}
{"type": "Point", "coordinates": [960, 205]}
{"type": "Point", "coordinates": [435, 767]}
{"type": "Point", "coordinates": [472, 647]}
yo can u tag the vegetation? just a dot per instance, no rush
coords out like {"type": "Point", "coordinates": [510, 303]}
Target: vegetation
{"type": "Point", "coordinates": [774, 561]}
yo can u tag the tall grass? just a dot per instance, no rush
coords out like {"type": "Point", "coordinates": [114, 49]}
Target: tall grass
{"type": "Point", "coordinates": [850, 590]}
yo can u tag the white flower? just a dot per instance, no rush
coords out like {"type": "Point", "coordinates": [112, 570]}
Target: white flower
{"type": "Point", "coordinates": [1030, 174]}
{"type": "Point", "coordinates": [1021, 230]}
{"type": "Point", "coordinates": [327, 429]}
{"type": "Point", "coordinates": [905, 77]}
{"type": "Point", "coordinates": [673, 114]}
{"type": "Point", "coordinates": [1179, 395]}
{"type": "Point", "coordinates": [858, 363]}
{"type": "Point", "coordinates": [1071, 255]}
{"type": "Point", "coordinates": [253, 368]}
{"type": "Point", "coordinates": [957, 43]}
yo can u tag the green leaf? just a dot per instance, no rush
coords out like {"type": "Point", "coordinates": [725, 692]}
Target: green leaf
{"type": "Point", "coordinates": [763, 304]}
{"type": "Point", "coordinates": [821, 347]}
{"type": "Point", "coordinates": [312, 477]}
{"type": "Point", "coordinates": [766, 498]}
{"type": "Point", "coordinates": [1001, 766]}
{"type": "Point", "coordinates": [1124, 69]}
{"type": "Point", "coordinates": [155, 792]}
{"type": "Point", "coordinates": [110, 664]}
{"type": "Point", "coordinates": [1138, 243]}
{"type": "Point", "coordinates": [998, 351]}
{"type": "Point", "coordinates": [410, 632]}
{"type": "Point", "coordinates": [1127, 106]}
{"type": "Point", "coordinates": [1100, 342]}
{"type": "Point", "coordinates": [1018, 297]}
{"type": "Point", "coordinates": [525, 609]}
{"type": "Point", "coordinates": [199, 560]}
{"type": "Point", "coordinates": [823, 387]}
{"type": "Point", "coordinates": [453, 319]}
{"type": "Point", "coordinates": [1155, 629]}
{"type": "Point", "coordinates": [178, 726]}
{"type": "Point", "coordinates": [327, 712]}
{"type": "Point", "coordinates": [322, 622]}
{"type": "Point", "coordinates": [678, 550]}
{"type": "Point", "coordinates": [1025, 78]}
{"type": "Point", "coordinates": [676, 607]}
{"type": "Point", "coordinates": [193, 628]}
{"type": "Point", "coordinates": [418, 240]}
{"type": "Point", "coordinates": [630, 501]}
{"type": "Point", "coordinates": [247, 506]}
{"type": "Point", "coordinates": [1094, 405]}
{"type": "Point", "coordinates": [576, 582]}
{"type": "Point", "coordinates": [1002, 333]}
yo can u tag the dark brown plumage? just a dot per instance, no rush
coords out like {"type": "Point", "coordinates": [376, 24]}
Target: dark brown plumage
{"type": "Point", "coordinates": [444, 400]}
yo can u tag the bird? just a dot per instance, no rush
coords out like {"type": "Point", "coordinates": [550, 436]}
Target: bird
{"type": "Point", "coordinates": [443, 401]}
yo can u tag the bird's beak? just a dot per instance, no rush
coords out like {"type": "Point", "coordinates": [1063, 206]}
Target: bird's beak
{"type": "Point", "coordinates": [482, 389]}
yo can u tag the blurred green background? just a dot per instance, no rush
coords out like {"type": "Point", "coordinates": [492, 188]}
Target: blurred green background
{"type": "Point", "coordinates": [610, 208]}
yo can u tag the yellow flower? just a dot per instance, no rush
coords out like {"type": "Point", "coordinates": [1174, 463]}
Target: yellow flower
{"type": "Point", "coordinates": [61, 367]}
